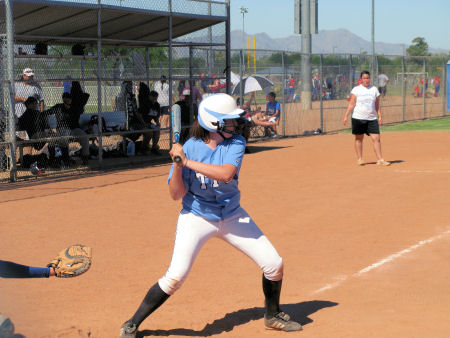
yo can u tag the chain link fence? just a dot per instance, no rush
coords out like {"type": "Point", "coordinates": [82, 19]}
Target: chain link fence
{"type": "Point", "coordinates": [415, 90]}
{"type": "Point", "coordinates": [121, 83]}
{"type": "Point", "coordinates": [116, 95]}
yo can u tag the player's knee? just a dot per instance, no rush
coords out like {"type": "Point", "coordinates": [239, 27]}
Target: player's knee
{"type": "Point", "coordinates": [170, 285]}
{"type": "Point", "coordinates": [274, 270]}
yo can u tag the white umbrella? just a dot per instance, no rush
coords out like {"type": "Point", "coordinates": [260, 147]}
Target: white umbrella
{"type": "Point", "coordinates": [233, 77]}
{"type": "Point", "coordinates": [252, 84]}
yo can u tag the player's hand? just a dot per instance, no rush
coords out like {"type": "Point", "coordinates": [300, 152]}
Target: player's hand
{"type": "Point", "coordinates": [177, 150]}
{"type": "Point", "coordinates": [380, 122]}
{"type": "Point", "coordinates": [345, 121]}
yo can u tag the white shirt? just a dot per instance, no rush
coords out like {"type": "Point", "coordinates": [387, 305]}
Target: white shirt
{"type": "Point", "coordinates": [382, 80]}
{"type": "Point", "coordinates": [365, 102]}
{"type": "Point", "coordinates": [163, 93]}
{"type": "Point", "coordinates": [23, 90]}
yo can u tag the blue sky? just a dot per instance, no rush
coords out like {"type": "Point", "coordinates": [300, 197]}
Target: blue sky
{"type": "Point", "coordinates": [396, 21]}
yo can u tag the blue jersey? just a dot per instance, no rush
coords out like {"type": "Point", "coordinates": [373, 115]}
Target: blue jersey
{"type": "Point", "coordinates": [272, 108]}
{"type": "Point", "coordinates": [209, 198]}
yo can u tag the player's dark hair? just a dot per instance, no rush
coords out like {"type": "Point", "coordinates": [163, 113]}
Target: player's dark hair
{"type": "Point", "coordinates": [199, 132]}
{"type": "Point", "coordinates": [364, 72]}
{"type": "Point", "coordinates": [272, 94]}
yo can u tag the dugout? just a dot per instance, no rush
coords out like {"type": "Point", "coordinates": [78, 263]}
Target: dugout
{"type": "Point", "coordinates": [102, 43]}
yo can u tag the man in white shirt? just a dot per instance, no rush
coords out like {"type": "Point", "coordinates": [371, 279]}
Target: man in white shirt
{"type": "Point", "coordinates": [26, 88]}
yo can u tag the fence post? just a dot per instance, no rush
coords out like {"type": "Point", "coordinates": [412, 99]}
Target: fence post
{"type": "Point", "coordinates": [283, 89]}
{"type": "Point", "coordinates": [82, 74]}
{"type": "Point", "coordinates": [376, 71]}
{"type": "Point", "coordinates": [191, 87]}
{"type": "Point", "coordinates": [147, 66]}
{"type": "Point", "coordinates": [99, 83]}
{"type": "Point", "coordinates": [424, 91]}
{"type": "Point", "coordinates": [170, 72]}
{"type": "Point", "coordinates": [320, 91]}
{"type": "Point", "coordinates": [350, 75]}
{"type": "Point", "coordinates": [241, 74]}
{"type": "Point", "coordinates": [10, 76]}
{"type": "Point", "coordinates": [403, 90]}
{"type": "Point", "coordinates": [443, 86]}
{"type": "Point", "coordinates": [228, 48]}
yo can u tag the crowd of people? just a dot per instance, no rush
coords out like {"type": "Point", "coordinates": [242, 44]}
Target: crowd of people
{"type": "Point", "coordinates": [147, 109]}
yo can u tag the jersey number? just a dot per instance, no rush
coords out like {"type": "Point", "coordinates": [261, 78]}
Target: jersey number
{"type": "Point", "coordinates": [203, 181]}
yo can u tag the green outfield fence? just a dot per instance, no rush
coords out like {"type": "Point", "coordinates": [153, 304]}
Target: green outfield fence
{"type": "Point", "coordinates": [188, 41]}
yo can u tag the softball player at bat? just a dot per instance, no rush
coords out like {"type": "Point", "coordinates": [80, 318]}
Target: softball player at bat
{"type": "Point", "coordinates": [207, 181]}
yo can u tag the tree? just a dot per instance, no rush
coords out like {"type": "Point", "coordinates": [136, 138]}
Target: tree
{"type": "Point", "coordinates": [418, 48]}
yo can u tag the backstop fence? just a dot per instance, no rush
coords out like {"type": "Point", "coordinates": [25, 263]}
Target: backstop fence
{"type": "Point", "coordinates": [118, 72]}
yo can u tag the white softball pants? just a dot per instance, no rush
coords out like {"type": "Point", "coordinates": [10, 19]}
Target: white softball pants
{"type": "Point", "coordinates": [239, 230]}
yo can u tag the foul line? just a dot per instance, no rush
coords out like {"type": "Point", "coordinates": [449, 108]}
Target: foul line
{"type": "Point", "coordinates": [342, 279]}
{"type": "Point", "coordinates": [423, 171]}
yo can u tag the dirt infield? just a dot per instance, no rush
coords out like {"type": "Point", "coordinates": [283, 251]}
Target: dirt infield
{"type": "Point", "coordinates": [366, 249]}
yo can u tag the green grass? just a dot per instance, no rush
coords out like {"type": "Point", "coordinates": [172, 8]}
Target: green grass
{"type": "Point", "coordinates": [440, 124]}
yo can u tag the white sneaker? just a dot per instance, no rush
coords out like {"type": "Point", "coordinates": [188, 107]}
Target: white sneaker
{"type": "Point", "coordinates": [383, 162]}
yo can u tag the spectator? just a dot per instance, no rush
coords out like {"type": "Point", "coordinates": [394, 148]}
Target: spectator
{"type": "Point", "coordinates": [273, 113]}
{"type": "Point", "coordinates": [34, 122]}
{"type": "Point", "coordinates": [150, 111]}
{"type": "Point", "coordinates": [315, 87]}
{"type": "Point", "coordinates": [162, 88]}
{"type": "Point", "coordinates": [24, 89]}
{"type": "Point", "coordinates": [185, 106]}
{"type": "Point", "coordinates": [382, 83]}
{"type": "Point", "coordinates": [216, 86]}
{"type": "Point", "coordinates": [21, 52]}
{"type": "Point", "coordinates": [134, 114]}
{"type": "Point", "coordinates": [79, 100]}
{"type": "Point", "coordinates": [180, 88]}
{"type": "Point", "coordinates": [437, 86]}
{"type": "Point", "coordinates": [67, 125]}
{"type": "Point", "coordinates": [204, 85]}
{"type": "Point", "coordinates": [291, 88]}
{"type": "Point", "coordinates": [424, 86]}
{"type": "Point", "coordinates": [196, 95]}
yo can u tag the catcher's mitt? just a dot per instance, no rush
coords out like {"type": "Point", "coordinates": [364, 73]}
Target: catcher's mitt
{"type": "Point", "coordinates": [72, 261]}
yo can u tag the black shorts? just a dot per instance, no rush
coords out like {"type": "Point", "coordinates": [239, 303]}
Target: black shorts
{"type": "Point", "coordinates": [360, 127]}
{"type": "Point", "coordinates": [382, 90]}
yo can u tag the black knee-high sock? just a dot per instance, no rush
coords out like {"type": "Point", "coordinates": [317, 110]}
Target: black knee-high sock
{"type": "Point", "coordinates": [154, 299]}
{"type": "Point", "coordinates": [272, 292]}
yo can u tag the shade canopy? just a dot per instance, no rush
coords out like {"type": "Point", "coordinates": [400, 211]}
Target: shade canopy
{"type": "Point", "coordinates": [58, 22]}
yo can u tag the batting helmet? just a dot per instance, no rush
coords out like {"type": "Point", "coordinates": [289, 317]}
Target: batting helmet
{"type": "Point", "coordinates": [216, 108]}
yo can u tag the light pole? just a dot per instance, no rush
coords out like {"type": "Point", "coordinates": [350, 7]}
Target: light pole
{"type": "Point", "coordinates": [244, 10]}
{"type": "Point", "coordinates": [334, 47]}
{"type": "Point", "coordinates": [373, 38]}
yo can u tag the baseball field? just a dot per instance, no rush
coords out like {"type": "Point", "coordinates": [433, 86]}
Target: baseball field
{"type": "Point", "coordinates": [366, 249]}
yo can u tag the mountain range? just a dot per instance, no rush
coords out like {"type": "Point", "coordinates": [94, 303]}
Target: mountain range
{"type": "Point", "coordinates": [326, 42]}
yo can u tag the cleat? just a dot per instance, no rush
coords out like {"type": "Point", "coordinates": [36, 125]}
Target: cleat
{"type": "Point", "coordinates": [128, 330]}
{"type": "Point", "coordinates": [281, 322]}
